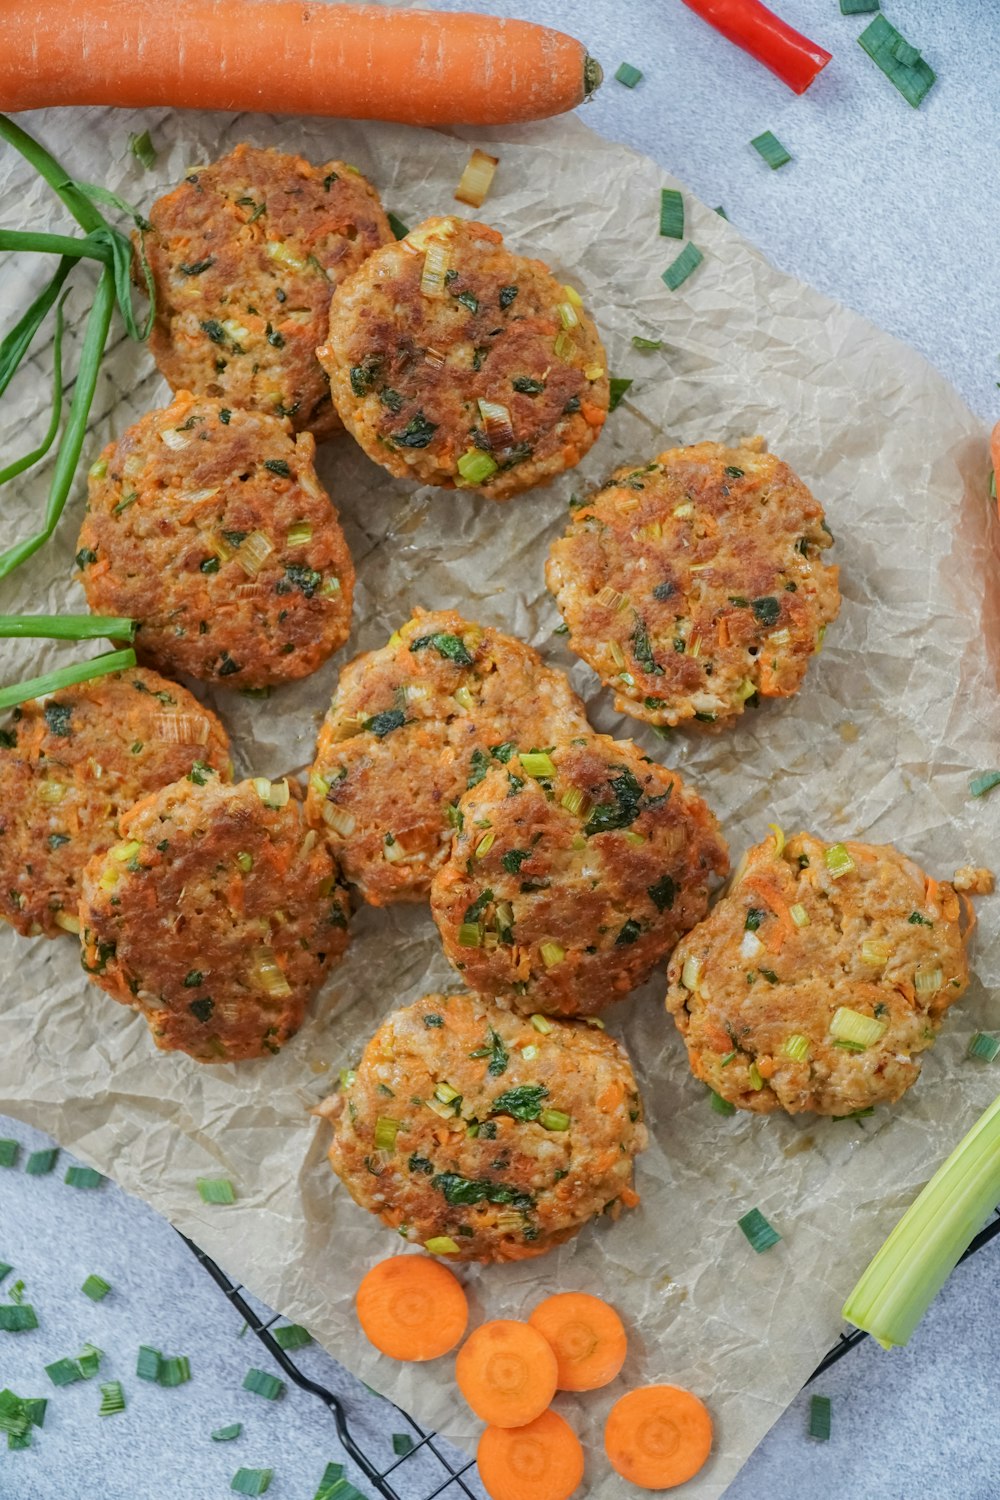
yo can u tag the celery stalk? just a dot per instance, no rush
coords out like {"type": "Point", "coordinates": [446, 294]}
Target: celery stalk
{"type": "Point", "coordinates": [930, 1239]}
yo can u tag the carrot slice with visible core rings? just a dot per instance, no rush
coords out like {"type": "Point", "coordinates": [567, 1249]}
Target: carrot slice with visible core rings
{"type": "Point", "coordinates": [587, 1338]}
{"type": "Point", "coordinates": [507, 1373]}
{"type": "Point", "coordinates": [361, 62]}
{"type": "Point", "coordinates": [411, 1308]}
{"type": "Point", "coordinates": [542, 1460]}
{"type": "Point", "coordinates": [658, 1436]}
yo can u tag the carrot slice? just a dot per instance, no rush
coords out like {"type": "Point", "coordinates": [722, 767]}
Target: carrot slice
{"type": "Point", "coordinates": [507, 1372]}
{"type": "Point", "coordinates": [587, 1337]}
{"type": "Point", "coordinates": [542, 1460]}
{"type": "Point", "coordinates": [658, 1436]}
{"type": "Point", "coordinates": [411, 1308]}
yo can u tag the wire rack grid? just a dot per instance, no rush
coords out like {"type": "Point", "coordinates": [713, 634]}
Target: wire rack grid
{"type": "Point", "coordinates": [448, 1480]}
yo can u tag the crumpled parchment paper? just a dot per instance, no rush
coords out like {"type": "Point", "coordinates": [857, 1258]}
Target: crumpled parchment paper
{"type": "Point", "coordinates": [894, 715]}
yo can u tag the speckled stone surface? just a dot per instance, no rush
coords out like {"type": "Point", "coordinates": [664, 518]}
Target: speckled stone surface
{"type": "Point", "coordinates": [893, 211]}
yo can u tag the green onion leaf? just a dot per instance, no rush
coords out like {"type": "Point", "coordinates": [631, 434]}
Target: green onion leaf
{"type": "Point", "coordinates": [226, 1434]}
{"type": "Point", "coordinates": [263, 1384]}
{"type": "Point", "coordinates": [671, 213]}
{"type": "Point", "coordinates": [142, 149]}
{"type": "Point", "coordinates": [291, 1336]}
{"type": "Point", "coordinates": [67, 627]}
{"type": "Point", "coordinates": [402, 1444]}
{"type": "Point", "coordinates": [680, 269]}
{"type": "Point", "coordinates": [175, 1370]}
{"type": "Point", "coordinates": [84, 1177]}
{"type": "Point", "coordinates": [770, 148]}
{"type": "Point", "coordinates": [112, 1399]}
{"type": "Point", "coordinates": [638, 342]}
{"type": "Point", "coordinates": [148, 1364]}
{"type": "Point", "coordinates": [858, 7]}
{"type": "Point", "coordinates": [986, 1048]}
{"type": "Point", "coordinates": [18, 1317]}
{"type": "Point", "coordinates": [476, 467]}
{"type": "Point", "coordinates": [27, 460]}
{"type": "Point", "coordinates": [9, 1152]}
{"type": "Point", "coordinates": [758, 1231]}
{"type": "Point", "coordinates": [35, 687]}
{"type": "Point", "coordinates": [89, 1360]}
{"type": "Point", "coordinates": [64, 1372]}
{"type": "Point", "coordinates": [537, 764]}
{"type": "Point", "coordinates": [916, 1260]}
{"type": "Point", "coordinates": [332, 1476]}
{"type": "Point", "coordinates": [617, 386]}
{"type": "Point", "coordinates": [397, 226]}
{"type": "Point", "coordinates": [720, 1105]}
{"type": "Point", "coordinates": [40, 1163]}
{"type": "Point", "coordinates": [34, 1409]}
{"type": "Point", "coordinates": [837, 860]}
{"type": "Point", "coordinates": [386, 1131]}
{"type": "Point", "coordinates": [912, 77]}
{"type": "Point", "coordinates": [722, 213]}
{"type": "Point", "coordinates": [96, 1288]}
{"type": "Point", "coordinates": [819, 1406]}
{"type": "Point", "coordinates": [251, 1481]}
{"type": "Point", "coordinates": [216, 1190]}
{"type": "Point", "coordinates": [626, 74]}
{"type": "Point", "coordinates": [554, 1119]}
{"type": "Point", "coordinates": [980, 785]}
{"type": "Point", "coordinates": [857, 1029]}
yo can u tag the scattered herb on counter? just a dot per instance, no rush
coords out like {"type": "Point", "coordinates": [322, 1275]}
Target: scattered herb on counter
{"type": "Point", "coordinates": [96, 1288]}
{"type": "Point", "coordinates": [680, 269]}
{"type": "Point", "coordinates": [758, 1231]}
{"type": "Point", "coordinates": [901, 63]}
{"type": "Point", "coordinates": [629, 76]}
{"type": "Point", "coordinates": [671, 213]}
{"type": "Point", "coordinates": [263, 1384]}
{"type": "Point", "coordinates": [142, 148]}
{"type": "Point", "coordinates": [985, 782]}
{"type": "Point", "coordinates": [770, 148]}
{"type": "Point", "coordinates": [819, 1406]}
{"type": "Point", "coordinates": [216, 1190]}
{"type": "Point", "coordinates": [84, 1177]}
{"type": "Point", "coordinates": [291, 1336]}
{"type": "Point", "coordinates": [617, 387]}
{"type": "Point", "coordinates": [251, 1481]}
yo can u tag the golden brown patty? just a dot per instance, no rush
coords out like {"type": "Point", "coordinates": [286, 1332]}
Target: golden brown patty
{"type": "Point", "coordinates": [411, 369]}
{"type": "Point", "coordinates": [696, 583]}
{"type": "Point", "coordinates": [216, 916]}
{"type": "Point", "coordinates": [246, 254]}
{"type": "Point", "coordinates": [482, 1138]}
{"type": "Point", "coordinates": [209, 527]}
{"type": "Point", "coordinates": [572, 875]}
{"type": "Point", "coordinates": [411, 727]}
{"type": "Point", "coordinates": [820, 977]}
{"type": "Point", "coordinates": [71, 765]}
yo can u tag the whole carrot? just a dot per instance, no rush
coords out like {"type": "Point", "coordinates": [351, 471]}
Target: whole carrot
{"type": "Point", "coordinates": [289, 57]}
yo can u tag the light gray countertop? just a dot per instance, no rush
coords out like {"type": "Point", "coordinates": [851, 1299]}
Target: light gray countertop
{"type": "Point", "coordinates": [894, 212]}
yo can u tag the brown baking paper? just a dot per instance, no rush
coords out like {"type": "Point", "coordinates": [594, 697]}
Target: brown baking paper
{"type": "Point", "coordinates": [894, 715]}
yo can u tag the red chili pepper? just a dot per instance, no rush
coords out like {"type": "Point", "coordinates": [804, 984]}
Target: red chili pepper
{"type": "Point", "coordinates": [793, 57]}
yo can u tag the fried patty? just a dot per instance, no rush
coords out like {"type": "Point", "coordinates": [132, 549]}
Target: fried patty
{"type": "Point", "coordinates": [456, 363]}
{"type": "Point", "coordinates": [475, 1134]}
{"type": "Point", "coordinates": [71, 765]}
{"type": "Point", "coordinates": [572, 874]}
{"type": "Point", "coordinates": [820, 978]}
{"type": "Point", "coordinates": [695, 584]}
{"type": "Point", "coordinates": [209, 527]}
{"type": "Point", "coordinates": [410, 728]}
{"type": "Point", "coordinates": [246, 254]}
{"type": "Point", "coordinates": [216, 916]}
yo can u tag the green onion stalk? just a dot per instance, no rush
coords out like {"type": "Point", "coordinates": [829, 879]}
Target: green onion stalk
{"type": "Point", "coordinates": [930, 1239]}
{"type": "Point", "coordinates": [112, 251]}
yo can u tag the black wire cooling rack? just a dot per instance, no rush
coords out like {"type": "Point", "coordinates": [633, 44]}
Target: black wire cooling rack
{"type": "Point", "coordinates": [447, 1481]}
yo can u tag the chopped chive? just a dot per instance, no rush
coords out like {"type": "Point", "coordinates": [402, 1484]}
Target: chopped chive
{"type": "Point", "coordinates": [39, 1163]}
{"type": "Point", "coordinates": [402, 1444]}
{"type": "Point", "coordinates": [671, 214]}
{"type": "Point", "coordinates": [175, 1370]}
{"type": "Point", "coordinates": [617, 386]}
{"type": "Point", "coordinates": [758, 1231]}
{"type": "Point", "coordinates": [148, 1364]}
{"type": "Point", "coordinates": [216, 1190]}
{"type": "Point", "coordinates": [819, 1406]}
{"type": "Point", "coordinates": [17, 1440]}
{"type": "Point", "coordinates": [9, 1152]}
{"type": "Point", "coordinates": [720, 1105]}
{"type": "Point", "coordinates": [263, 1384]}
{"type": "Point", "coordinates": [913, 77]}
{"type": "Point", "coordinates": [112, 1399]}
{"type": "Point", "coordinates": [34, 1409]}
{"type": "Point", "coordinates": [291, 1336]}
{"type": "Point", "coordinates": [397, 226]}
{"type": "Point", "coordinates": [64, 1372]}
{"type": "Point", "coordinates": [980, 785]}
{"type": "Point", "coordinates": [680, 269]}
{"type": "Point", "coordinates": [858, 7]}
{"type": "Point", "coordinates": [84, 1177]}
{"type": "Point", "coordinates": [96, 1288]}
{"type": "Point", "coordinates": [251, 1481]}
{"type": "Point", "coordinates": [332, 1475]}
{"type": "Point", "coordinates": [17, 1317]}
{"type": "Point", "coordinates": [626, 74]}
{"type": "Point", "coordinates": [984, 1047]}
{"type": "Point", "coordinates": [638, 342]}
{"type": "Point", "coordinates": [89, 1360]}
{"type": "Point", "coordinates": [51, 682]}
{"type": "Point", "coordinates": [770, 148]}
{"type": "Point", "coordinates": [142, 148]}
{"type": "Point", "coordinates": [5, 1269]}
{"type": "Point", "coordinates": [226, 1434]}
{"type": "Point", "coordinates": [722, 213]}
